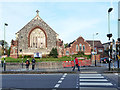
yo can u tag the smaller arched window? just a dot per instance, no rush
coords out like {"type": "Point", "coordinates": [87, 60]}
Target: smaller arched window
{"type": "Point", "coordinates": [80, 45]}
{"type": "Point", "coordinates": [83, 47]}
{"type": "Point", "coordinates": [76, 47]}
{"type": "Point", "coordinates": [67, 52]}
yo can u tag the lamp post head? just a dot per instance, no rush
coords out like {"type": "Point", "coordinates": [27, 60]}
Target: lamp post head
{"type": "Point", "coordinates": [110, 9]}
{"type": "Point", "coordinates": [97, 33]}
{"type": "Point", "coordinates": [6, 24]}
{"type": "Point", "coordinates": [119, 39]}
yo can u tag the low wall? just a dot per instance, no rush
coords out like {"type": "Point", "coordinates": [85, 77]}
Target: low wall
{"type": "Point", "coordinates": [46, 65]}
{"type": "Point", "coordinates": [38, 65]}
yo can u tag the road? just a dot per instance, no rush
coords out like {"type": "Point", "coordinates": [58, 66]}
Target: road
{"type": "Point", "coordinates": [78, 81]}
{"type": "Point", "coordinates": [111, 64]}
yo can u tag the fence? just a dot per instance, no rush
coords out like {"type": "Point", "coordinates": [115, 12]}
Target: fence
{"type": "Point", "coordinates": [81, 63]}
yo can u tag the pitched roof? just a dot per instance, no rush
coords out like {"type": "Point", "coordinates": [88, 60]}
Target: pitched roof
{"type": "Point", "coordinates": [37, 18]}
{"type": "Point", "coordinates": [69, 45]}
{"type": "Point", "coordinates": [97, 43]}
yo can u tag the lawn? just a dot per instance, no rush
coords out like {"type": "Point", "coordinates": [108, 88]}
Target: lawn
{"type": "Point", "coordinates": [64, 58]}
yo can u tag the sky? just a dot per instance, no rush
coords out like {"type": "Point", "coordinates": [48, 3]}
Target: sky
{"type": "Point", "coordinates": [69, 19]}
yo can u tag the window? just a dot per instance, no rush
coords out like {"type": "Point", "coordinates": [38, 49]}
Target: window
{"type": "Point", "coordinates": [67, 52]}
{"type": "Point", "coordinates": [80, 45]}
{"type": "Point", "coordinates": [100, 50]}
{"type": "Point", "coordinates": [37, 39]}
{"type": "Point", "coordinates": [83, 47]}
{"type": "Point", "coordinates": [76, 47]}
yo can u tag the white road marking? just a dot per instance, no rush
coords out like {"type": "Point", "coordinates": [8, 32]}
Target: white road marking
{"type": "Point", "coordinates": [65, 74]}
{"type": "Point", "coordinates": [116, 73]}
{"type": "Point", "coordinates": [57, 85]}
{"type": "Point", "coordinates": [90, 74]}
{"type": "Point", "coordinates": [76, 87]}
{"type": "Point", "coordinates": [59, 81]}
{"type": "Point", "coordinates": [92, 77]}
{"type": "Point", "coordinates": [62, 78]}
{"type": "Point", "coordinates": [98, 84]}
{"type": "Point", "coordinates": [93, 80]}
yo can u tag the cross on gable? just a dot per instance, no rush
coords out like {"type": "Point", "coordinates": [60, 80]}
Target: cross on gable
{"type": "Point", "coordinates": [37, 12]}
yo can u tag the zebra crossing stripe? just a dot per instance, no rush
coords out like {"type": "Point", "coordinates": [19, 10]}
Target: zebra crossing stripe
{"type": "Point", "coordinates": [92, 77]}
{"type": "Point", "coordinates": [97, 84]}
{"type": "Point", "coordinates": [93, 80]}
{"type": "Point", "coordinates": [90, 74]}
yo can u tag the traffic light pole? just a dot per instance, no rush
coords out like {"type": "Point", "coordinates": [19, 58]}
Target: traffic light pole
{"type": "Point", "coordinates": [118, 50]}
{"type": "Point", "coordinates": [109, 35]}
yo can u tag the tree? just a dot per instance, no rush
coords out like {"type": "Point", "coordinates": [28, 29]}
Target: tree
{"type": "Point", "coordinates": [2, 48]}
{"type": "Point", "coordinates": [66, 45]}
{"type": "Point", "coordinates": [54, 53]}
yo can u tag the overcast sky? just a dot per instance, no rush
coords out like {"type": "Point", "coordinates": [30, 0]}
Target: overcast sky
{"type": "Point", "coordinates": [69, 19]}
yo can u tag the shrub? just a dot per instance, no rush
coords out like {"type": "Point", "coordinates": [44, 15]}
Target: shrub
{"type": "Point", "coordinates": [20, 56]}
{"type": "Point", "coordinates": [27, 56]}
{"type": "Point", "coordinates": [54, 53]}
{"type": "Point", "coordinates": [80, 53]}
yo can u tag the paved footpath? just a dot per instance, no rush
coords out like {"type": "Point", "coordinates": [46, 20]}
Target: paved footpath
{"type": "Point", "coordinates": [78, 81]}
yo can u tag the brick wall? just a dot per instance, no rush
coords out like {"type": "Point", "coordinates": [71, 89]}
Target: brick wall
{"type": "Point", "coordinates": [72, 48]}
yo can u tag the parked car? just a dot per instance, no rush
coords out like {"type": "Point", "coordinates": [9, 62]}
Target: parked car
{"type": "Point", "coordinates": [105, 60]}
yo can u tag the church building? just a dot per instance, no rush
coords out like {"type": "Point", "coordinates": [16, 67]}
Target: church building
{"type": "Point", "coordinates": [35, 37]}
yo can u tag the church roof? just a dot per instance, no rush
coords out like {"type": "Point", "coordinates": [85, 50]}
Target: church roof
{"type": "Point", "coordinates": [37, 17]}
{"type": "Point", "coordinates": [97, 43]}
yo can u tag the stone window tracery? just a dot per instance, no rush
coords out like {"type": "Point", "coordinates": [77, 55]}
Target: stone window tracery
{"type": "Point", "coordinates": [37, 39]}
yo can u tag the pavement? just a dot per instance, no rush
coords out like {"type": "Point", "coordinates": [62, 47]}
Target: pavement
{"type": "Point", "coordinates": [99, 69]}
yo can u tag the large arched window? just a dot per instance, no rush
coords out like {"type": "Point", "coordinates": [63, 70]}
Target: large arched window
{"type": "Point", "coordinates": [76, 47]}
{"type": "Point", "coordinates": [80, 45]}
{"type": "Point", "coordinates": [37, 39]}
{"type": "Point", "coordinates": [83, 47]}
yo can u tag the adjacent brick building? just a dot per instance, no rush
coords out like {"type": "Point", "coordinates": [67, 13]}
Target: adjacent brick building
{"type": "Point", "coordinates": [78, 45]}
{"type": "Point", "coordinates": [85, 46]}
{"type": "Point", "coordinates": [98, 47]}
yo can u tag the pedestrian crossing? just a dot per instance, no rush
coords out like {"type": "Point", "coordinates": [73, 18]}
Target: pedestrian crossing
{"type": "Point", "coordinates": [93, 80]}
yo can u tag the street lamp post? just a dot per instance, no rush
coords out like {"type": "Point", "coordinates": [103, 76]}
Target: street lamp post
{"type": "Point", "coordinates": [109, 35]}
{"type": "Point", "coordinates": [93, 47]}
{"type": "Point", "coordinates": [118, 41]}
{"type": "Point", "coordinates": [22, 57]}
{"type": "Point", "coordinates": [5, 24]}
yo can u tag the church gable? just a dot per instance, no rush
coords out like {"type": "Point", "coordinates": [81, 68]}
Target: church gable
{"type": "Point", "coordinates": [37, 21]}
{"type": "Point", "coordinates": [49, 35]}
{"type": "Point", "coordinates": [36, 36]}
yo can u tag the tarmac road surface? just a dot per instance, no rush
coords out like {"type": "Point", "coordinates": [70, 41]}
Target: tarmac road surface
{"type": "Point", "coordinates": [61, 81]}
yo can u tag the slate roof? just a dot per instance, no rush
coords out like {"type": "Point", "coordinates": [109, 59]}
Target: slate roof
{"type": "Point", "coordinates": [97, 43]}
